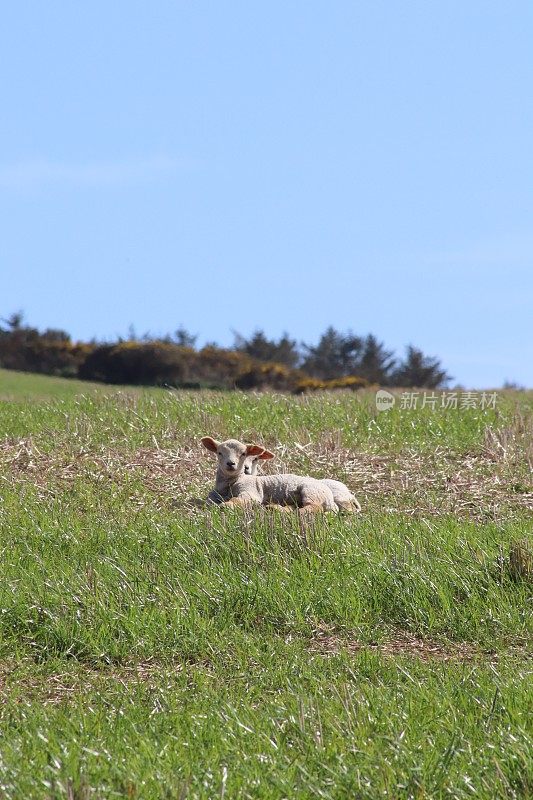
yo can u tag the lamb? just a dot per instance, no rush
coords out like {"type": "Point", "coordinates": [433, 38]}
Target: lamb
{"type": "Point", "coordinates": [307, 494]}
{"type": "Point", "coordinates": [221, 493]}
{"type": "Point", "coordinates": [344, 498]}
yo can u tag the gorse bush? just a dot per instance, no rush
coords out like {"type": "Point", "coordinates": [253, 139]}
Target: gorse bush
{"type": "Point", "coordinates": [337, 361]}
{"type": "Point", "coordinates": [137, 363]}
{"type": "Point", "coordinates": [220, 368]}
{"type": "Point", "coordinates": [313, 384]}
{"type": "Point", "coordinates": [271, 375]}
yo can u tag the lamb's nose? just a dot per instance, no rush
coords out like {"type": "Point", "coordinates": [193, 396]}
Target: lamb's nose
{"type": "Point", "coordinates": [230, 464]}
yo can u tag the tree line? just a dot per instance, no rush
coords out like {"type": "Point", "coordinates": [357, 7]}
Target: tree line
{"type": "Point", "coordinates": [337, 360]}
{"type": "Point", "coordinates": [338, 355]}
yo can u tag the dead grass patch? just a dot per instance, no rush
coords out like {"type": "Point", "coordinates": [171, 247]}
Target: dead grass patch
{"type": "Point", "coordinates": [402, 643]}
{"type": "Point", "coordinates": [54, 688]}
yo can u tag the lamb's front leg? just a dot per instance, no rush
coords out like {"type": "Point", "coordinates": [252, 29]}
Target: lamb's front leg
{"type": "Point", "coordinates": [239, 502]}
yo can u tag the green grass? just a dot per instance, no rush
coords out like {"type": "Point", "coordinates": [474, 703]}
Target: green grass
{"type": "Point", "coordinates": [151, 648]}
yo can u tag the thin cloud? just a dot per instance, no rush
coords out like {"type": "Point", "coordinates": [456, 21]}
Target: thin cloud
{"type": "Point", "coordinates": [34, 174]}
{"type": "Point", "coordinates": [514, 249]}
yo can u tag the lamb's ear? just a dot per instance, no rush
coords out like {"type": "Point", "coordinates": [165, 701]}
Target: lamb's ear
{"type": "Point", "coordinates": [265, 455]}
{"type": "Point", "coordinates": [254, 450]}
{"type": "Point", "coordinates": [210, 443]}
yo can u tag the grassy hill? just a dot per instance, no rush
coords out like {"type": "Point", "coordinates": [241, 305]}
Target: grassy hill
{"type": "Point", "coordinates": [154, 648]}
{"type": "Point", "coordinates": [31, 387]}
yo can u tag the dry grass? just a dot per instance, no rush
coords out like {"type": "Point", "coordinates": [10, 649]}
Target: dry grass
{"type": "Point", "coordinates": [403, 643]}
{"type": "Point", "coordinates": [57, 687]}
{"type": "Point", "coordinates": [478, 485]}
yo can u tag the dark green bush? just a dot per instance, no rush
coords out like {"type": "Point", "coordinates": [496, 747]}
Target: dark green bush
{"type": "Point", "coordinates": [140, 363]}
{"type": "Point", "coordinates": [51, 352]}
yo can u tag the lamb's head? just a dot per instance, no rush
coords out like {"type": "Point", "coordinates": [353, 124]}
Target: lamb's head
{"type": "Point", "coordinates": [233, 454]}
{"type": "Point", "coordinates": [251, 463]}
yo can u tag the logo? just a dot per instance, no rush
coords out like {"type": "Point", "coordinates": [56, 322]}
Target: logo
{"type": "Point", "coordinates": [384, 400]}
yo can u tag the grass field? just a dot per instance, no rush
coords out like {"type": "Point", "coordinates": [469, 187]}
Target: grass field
{"type": "Point", "coordinates": [31, 388]}
{"type": "Point", "coordinates": [153, 648]}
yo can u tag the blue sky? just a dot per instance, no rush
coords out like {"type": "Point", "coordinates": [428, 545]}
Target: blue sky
{"type": "Point", "coordinates": [281, 165]}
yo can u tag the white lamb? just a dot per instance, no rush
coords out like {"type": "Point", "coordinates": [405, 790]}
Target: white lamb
{"type": "Point", "coordinates": [344, 498]}
{"type": "Point", "coordinates": [234, 487]}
